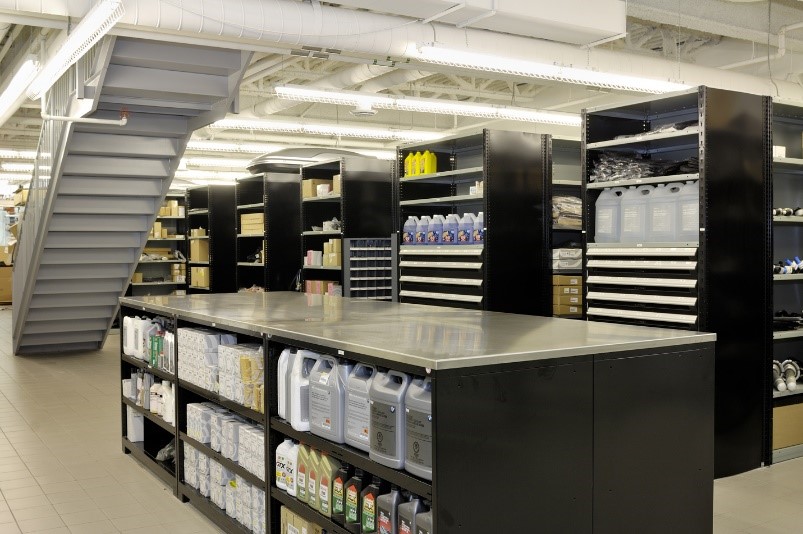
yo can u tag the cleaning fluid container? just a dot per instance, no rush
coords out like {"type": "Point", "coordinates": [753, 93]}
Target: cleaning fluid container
{"type": "Point", "coordinates": [299, 389]}
{"type": "Point", "coordinates": [416, 163]}
{"type": "Point", "coordinates": [354, 488]}
{"type": "Point", "coordinates": [128, 335]}
{"type": "Point", "coordinates": [634, 214]}
{"type": "Point", "coordinates": [327, 398]}
{"type": "Point", "coordinates": [432, 163]}
{"type": "Point", "coordinates": [423, 163]}
{"type": "Point", "coordinates": [662, 213]}
{"type": "Point", "coordinates": [435, 229]}
{"type": "Point", "coordinates": [450, 228]}
{"type": "Point", "coordinates": [302, 470]}
{"type": "Point", "coordinates": [465, 230]}
{"type": "Point", "coordinates": [688, 217]}
{"type": "Point", "coordinates": [327, 471]}
{"type": "Point", "coordinates": [423, 521]}
{"type": "Point", "coordinates": [421, 230]}
{"type": "Point", "coordinates": [282, 452]}
{"type": "Point", "coordinates": [368, 497]}
{"type": "Point", "coordinates": [479, 229]}
{"type": "Point", "coordinates": [292, 469]}
{"type": "Point", "coordinates": [313, 478]}
{"type": "Point", "coordinates": [408, 231]}
{"type": "Point", "coordinates": [342, 476]}
{"type": "Point", "coordinates": [408, 511]}
{"type": "Point", "coordinates": [387, 511]}
{"type": "Point", "coordinates": [418, 412]}
{"type": "Point", "coordinates": [408, 164]}
{"type": "Point", "coordinates": [358, 407]}
{"type": "Point", "coordinates": [607, 216]}
{"type": "Point", "coordinates": [387, 418]}
{"type": "Point", "coordinates": [281, 381]}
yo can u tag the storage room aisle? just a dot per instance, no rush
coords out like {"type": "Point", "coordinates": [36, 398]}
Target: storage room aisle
{"type": "Point", "coordinates": [61, 464]}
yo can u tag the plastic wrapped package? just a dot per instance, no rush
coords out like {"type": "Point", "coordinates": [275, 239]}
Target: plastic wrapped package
{"type": "Point", "coordinates": [217, 494]}
{"type": "Point", "coordinates": [204, 484]}
{"type": "Point", "coordinates": [231, 432]}
{"type": "Point", "coordinates": [231, 499]}
{"type": "Point", "coordinates": [567, 211]}
{"type": "Point", "coordinates": [258, 521]}
{"type": "Point", "coordinates": [244, 502]}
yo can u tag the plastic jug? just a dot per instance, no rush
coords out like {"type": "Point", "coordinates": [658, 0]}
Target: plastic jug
{"type": "Point", "coordinates": [418, 412]}
{"type": "Point", "coordinates": [129, 343]}
{"type": "Point", "coordinates": [387, 511]}
{"type": "Point", "coordinates": [354, 488]}
{"type": "Point", "coordinates": [408, 164]}
{"type": "Point", "coordinates": [423, 521]}
{"type": "Point", "coordinates": [327, 398]}
{"type": "Point", "coordinates": [282, 452]}
{"type": "Point", "coordinates": [432, 163]}
{"type": "Point", "coordinates": [313, 478]}
{"type": "Point", "coordinates": [662, 211]}
{"type": "Point", "coordinates": [387, 418]}
{"type": "Point", "coordinates": [408, 512]}
{"type": "Point", "coordinates": [479, 229]}
{"type": "Point", "coordinates": [435, 229]}
{"type": "Point", "coordinates": [421, 230]}
{"type": "Point", "coordinates": [369, 520]}
{"type": "Point", "coordinates": [292, 469]}
{"type": "Point", "coordinates": [416, 163]}
{"type": "Point", "coordinates": [302, 470]}
{"type": "Point", "coordinates": [465, 230]}
{"type": "Point", "coordinates": [282, 378]}
{"type": "Point", "coordinates": [688, 217]}
{"type": "Point", "coordinates": [450, 228]}
{"type": "Point", "coordinates": [608, 214]}
{"type": "Point", "coordinates": [423, 163]}
{"type": "Point", "coordinates": [298, 404]}
{"type": "Point", "coordinates": [358, 407]}
{"type": "Point", "coordinates": [634, 214]}
{"type": "Point", "coordinates": [339, 493]}
{"type": "Point", "coordinates": [327, 472]}
{"type": "Point", "coordinates": [408, 231]}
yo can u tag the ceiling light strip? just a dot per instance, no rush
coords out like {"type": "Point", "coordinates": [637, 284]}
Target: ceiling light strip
{"type": "Point", "coordinates": [325, 129]}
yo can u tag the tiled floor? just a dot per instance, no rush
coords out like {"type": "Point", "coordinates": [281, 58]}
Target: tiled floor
{"type": "Point", "coordinates": [62, 469]}
{"type": "Point", "coordinates": [61, 465]}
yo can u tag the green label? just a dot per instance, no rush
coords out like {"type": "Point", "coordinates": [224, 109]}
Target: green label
{"type": "Point", "coordinates": [369, 514]}
{"type": "Point", "coordinates": [337, 497]}
{"type": "Point", "coordinates": [352, 506]}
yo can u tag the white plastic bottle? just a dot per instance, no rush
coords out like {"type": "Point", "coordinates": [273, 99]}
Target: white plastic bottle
{"type": "Point", "coordinates": [421, 230]}
{"type": "Point", "coordinates": [450, 229]}
{"type": "Point", "coordinates": [299, 389]}
{"type": "Point", "coordinates": [292, 467]}
{"type": "Point", "coordinates": [435, 230]}
{"type": "Point", "coordinates": [156, 398]}
{"type": "Point", "coordinates": [607, 215]}
{"type": "Point", "coordinates": [408, 232]}
{"type": "Point", "coordinates": [465, 231]}
{"type": "Point", "coordinates": [281, 381]}
{"type": "Point", "coordinates": [168, 401]}
{"type": "Point", "coordinates": [662, 213]}
{"type": "Point", "coordinates": [282, 452]}
{"type": "Point", "coordinates": [634, 214]}
{"type": "Point", "coordinates": [479, 229]}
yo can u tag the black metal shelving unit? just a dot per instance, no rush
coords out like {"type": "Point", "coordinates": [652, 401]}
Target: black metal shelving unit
{"type": "Point", "coordinates": [515, 169]}
{"type": "Point", "coordinates": [364, 208]}
{"type": "Point", "coordinates": [566, 181]}
{"type": "Point", "coordinates": [718, 283]}
{"type": "Point", "coordinates": [213, 207]}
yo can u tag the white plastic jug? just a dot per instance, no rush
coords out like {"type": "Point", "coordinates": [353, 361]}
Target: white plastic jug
{"type": "Point", "coordinates": [327, 398]}
{"type": "Point", "coordinates": [299, 389]}
{"type": "Point", "coordinates": [281, 463]}
{"type": "Point", "coordinates": [358, 407]}
{"type": "Point", "coordinates": [435, 230]}
{"type": "Point", "coordinates": [421, 230]}
{"type": "Point", "coordinates": [479, 229]}
{"type": "Point", "coordinates": [418, 414]}
{"type": "Point", "coordinates": [662, 213]}
{"type": "Point", "coordinates": [408, 232]}
{"type": "Point", "coordinates": [292, 468]}
{"type": "Point", "coordinates": [465, 232]}
{"type": "Point", "coordinates": [450, 228]}
{"type": "Point", "coordinates": [688, 216]}
{"type": "Point", "coordinates": [608, 215]}
{"type": "Point", "coordinates": [387, 429]}
{"type": "Point", "coordinates": [281, 382]}
{"type": "Point", "coordinates": [634, 214]}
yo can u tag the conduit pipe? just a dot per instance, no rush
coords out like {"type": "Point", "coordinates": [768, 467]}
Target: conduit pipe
{"type": "Point", "coordinates": [777, 55]}
{"type": "Point", "coordinates": [288, 23]}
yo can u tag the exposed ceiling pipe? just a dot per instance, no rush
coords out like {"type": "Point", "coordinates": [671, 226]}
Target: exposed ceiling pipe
{"type": "Point", "coordinates": [10, 41]}
{"type": "Point", "coordinates": [393, 79]}
{"type": "Point", "coordinates": [258, 24]}
{"type": "Point", "coordinates": [777, 55]}
{"type": "Point", "coordinates": [267, 66]}
{"type": "Point", "coordinates": [4, 26]}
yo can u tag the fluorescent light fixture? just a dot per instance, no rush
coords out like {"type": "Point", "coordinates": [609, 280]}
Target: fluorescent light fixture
{"type": "Point", "coordinates": [426, 105]}
{"type": "Point", "coordinates": [324, 129]}
{"type": "Point", "coordinates": [95, 24]}
{"type": "Point", "coordinates": [216, 162]}
{"type": "Point", "coordinates": [210, 175]}
{"type": "Point", "coordinates": [203, 145]}
{"type": "Point", "coordinates": [14, 177]}
{"type": "Point", "coordinates": [531, 69]}
{"type": "Point", "coordinates": [7, 153]}
{"type": "Point", "coordinates": [21, 167]}
{"type": "Point", "coordinates": [15, 90]}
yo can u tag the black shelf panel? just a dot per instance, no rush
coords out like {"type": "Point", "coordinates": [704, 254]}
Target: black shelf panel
{"type": "Point", "coordinates": [148, 415]}
{"type": "Point", "coordinates": [164, 375]}
{"type": "Point", "coordinates": [231, 465]}
{"type": "Point", "coordinates": [355, 457]}
{"type": "Point", "coordinates": [307, 513]}
{"type": "Point", "coordinates": [248, 413]}
{"type": "Point", "coordinates": [210, 510]}
{"type": "Point", "coordinates": [137, 450]}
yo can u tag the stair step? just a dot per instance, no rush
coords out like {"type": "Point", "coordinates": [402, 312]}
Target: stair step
{"type": "Point", "coordinates": [78, 288]}
{"type": "Point", "coordinates": [103, 186]}
{"type": "Point", "coordinates": [138, 124]}
{"type": "Point", "coordinates": [122, 145]}
{"type": "Point", "coordinates": [82, 272]}
{"type": "Point", "coordinates": [59, 348]}
{"type": "Point", "coordinates": [89, 256]}
{"type": "Point", "coordinates": [111, 166]}
{"type": "Point", "coordinates": [147, 105]}
{"type": "Point", "coordinates": [167, 85]}
{"type": "Point", "coordinates": [93, 240]}
{"type": "Point", "coordinates": [105, 205]}
{"type": "Point", "coordinates": [65, 325]}
{"type": "Point", "coordinates": [73, 312]}
{"type": "Point", "coordinates": [172, 56]}
{"type": "Point", "coordinates": [64, 342]}
{"type": "Point", "coordinates": [68, 222]}
{"type": "Point", "coordinates": [108, 299]}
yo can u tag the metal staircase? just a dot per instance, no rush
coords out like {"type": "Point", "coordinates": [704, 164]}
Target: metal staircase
{"type": "Point", "coordinates": [97, 187]}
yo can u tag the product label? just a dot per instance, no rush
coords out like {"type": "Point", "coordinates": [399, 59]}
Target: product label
{"type": "Point", "coordinates": [405, 527]}
{"type": "Point", "coordinates": [632, 219]}
{"type": "Point", "coordinates": [689, 217]}
{"type": "Point", "coordinates": [419, 438]}
{"type": "Point", "coordinates": [383, 428]}
{"type": "Point", "coordinates": [338, 500]}
{"type": "Point", "coordinates": [290, 477]}
{"type": "Point", "coordinates": [448, 236]}
{"type": "Point", "coordinates": [604, 220]}
{"type": "Point", "coordinates": [385, 523]}
{"type": "Point", "coordinates": [408, 237]}
{"type": "Point", "coordinates": [323, 495]}
{"type": "Point", "coordinates": [421, 530]}
{"type": "Point", "coordinates": [324, 379]}
{"type": "Point", "coordinates": [432, 236]}
{"type": "Point", "coordinates": [479, 235]}
{"type": "Point", "coordinates": [281, 469]}
{"type": "Point", "coordinates": [358, 416]}
{"type": "Point", "coordinates": [301, 491]}
{"type": "Point", "coordinates": [304, 411]}
{"type": "Point", "coordinates": [420, 237]}
{"type": "Point", "coordinates": [320, 401]}
{"type": "Point", "coordinates": [661, 219]}
{"type": "Point", "coordinates": [464, 236]}
{"type": "Point", "coordinates": [292, 530]}
{"type": "Point", "coordinates": [352, 505]}
{"type": "Point", "coordinates": [369, 514]}
{"type": "Point", "coordinates": [313, 489]}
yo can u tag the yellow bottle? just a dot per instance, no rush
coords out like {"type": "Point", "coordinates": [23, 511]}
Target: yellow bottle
{"type": "Point", "coordinates": [432, 163]}
{"type": "Point", "coordinates": [408, 164]}
{"type": "Point", "coordinates": [416, 164]}
{"type": "Point", "coordinates": [422, 163]}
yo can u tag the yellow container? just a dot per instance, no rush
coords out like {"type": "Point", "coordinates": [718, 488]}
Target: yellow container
{"type": "Point", "coordinates": [431, 163]}
{"type": "Point", "coordinates": [408, 164]}
{"type": "Point", "coordinates": [417, 164]}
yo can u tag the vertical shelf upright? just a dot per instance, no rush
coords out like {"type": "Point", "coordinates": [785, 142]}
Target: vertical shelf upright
{"type": "Point", "coordinates": [275, 196]}
{"type": "Point", "coordinates": [718, 282]}
{"type": "Point", "coordinates": [511, 270]}
{"type": "Point", "coordinates": [364, 207]}
{"type": "Point", "coordinates": [566, 181]}
{"type": "Point", "coordinates": [212, 207]}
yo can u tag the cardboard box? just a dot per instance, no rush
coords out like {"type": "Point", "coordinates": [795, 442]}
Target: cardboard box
{"type": "Point", "coordinates": [559, 310]}
{"type": "Point", "coordinates": [165, 233]}
{"type": "Point", "coordinates": [156, 231]}
{"type": "Point", "coordinates": [14, 229]}
{"type": "Point", "coordinates": [778, 151]}
{"type": "Point", "coordinates": [557, 291]}
{"type": "Point", "coordinates": [569, 300]}
{"type": "Point", "coordinates": [567, 265]}
{"type": "Point", "coordinates": [159, 251]}
{"type": "Point", "coordinates": [787, 426]}
{"type": "Point", "coordinates": [564, 280]}
{"type": "Point", "coordinates": [20, 197]}
{"type": "Point", "coordinates": [136, 278]}
{"type": "Point", "coordinates": [252, 229]}
{"type": "Point", "coordinates": [199, 250]}
{"type": "Point", "coordinates": [336, 184]}
{"type": "Point", "coordinates": [199, 276]}
{"type": "Point", "coordinates": [7, 253]}
{"type": "Point", "coordinates": [197, 232]}
{"type": "Point", "coordinates": [5, 284]}
{"type": "Point", "coordinates": [252, 219]}
{"type": "Point", "coordinates": [309, 187]}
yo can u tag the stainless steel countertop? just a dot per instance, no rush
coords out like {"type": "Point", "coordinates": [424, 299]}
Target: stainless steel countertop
{"type": "Point", "coordinates": [424, 336]}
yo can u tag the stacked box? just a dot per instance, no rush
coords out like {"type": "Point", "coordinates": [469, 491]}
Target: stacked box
{"type": "Point", "coordinates": [197, 356]}
{"type": "Point", "coordinates": [199, 250]}
{"type": "Point", "coordinates": [567, 259]}
{"type": "Point", "coordinates": [258, 519]}
{"type": "Point", "coordinates": [251, 450]}
{"type": "Point", "coordinates": [309, 188]}
{"type": "Point", "coordinates": [252, 223]}
{"type": "Point", "coordinates": [203, 474]}
{"type": "Point", "coordinates": [230, 446]}
{"type": "Point", "coordinates": [241, 371]}
{"type": "Point", "coordinates": [244, 515]}
{"type": "Point", "coordinates": [567, 296]}
{"type": "Point", "coordinates": [231, 499]}
{"type": "Point", "coordinates": [190, 466]}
